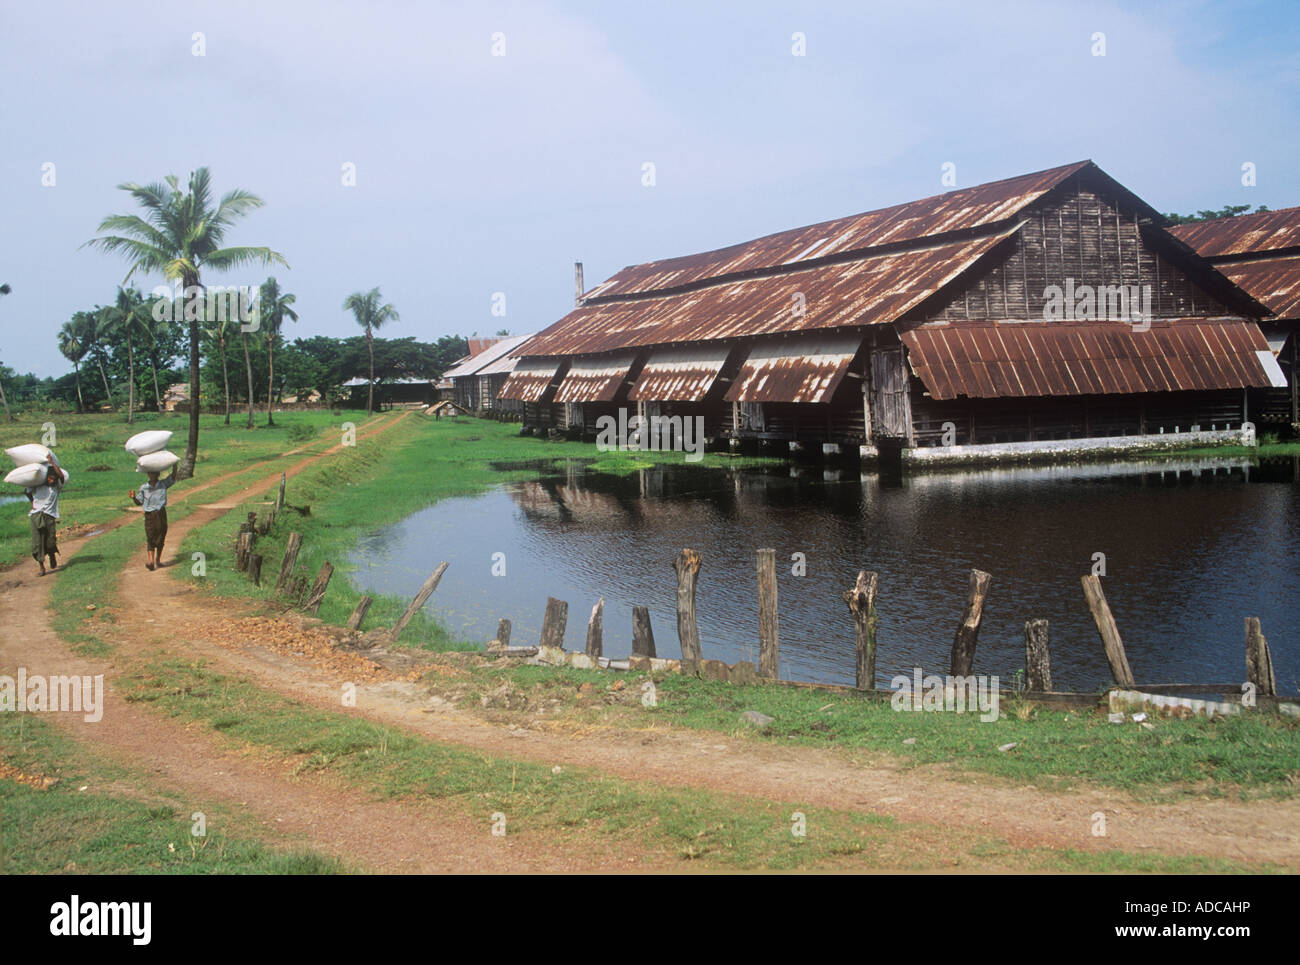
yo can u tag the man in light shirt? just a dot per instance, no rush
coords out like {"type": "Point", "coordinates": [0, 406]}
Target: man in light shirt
{"type": "Point", "coordinates": [152, 497]}
{"type": "Point", "coordinates": [44, 516]}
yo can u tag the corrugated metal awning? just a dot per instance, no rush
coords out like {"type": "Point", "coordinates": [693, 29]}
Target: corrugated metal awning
{"type": "Point", "coordinates": [806, 369]}
{"type": "Point", "coordinates": [530, 379]}
{"type": "Point", "coordinates": [679, 374]}
{"type": "Point", "coordinates": [595, 379]}
{"type": "Point", "coordinates": [1015, 359]}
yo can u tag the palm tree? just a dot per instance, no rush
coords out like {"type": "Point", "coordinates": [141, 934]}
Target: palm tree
{"type": "Point", "coordinates": [74, 346]}
{"type": "Point", "coordinates": [275, 309]}
{"type": "Point", "coordinates": [89, 324]}
{"type": "Point", "coordinates": [127, 317]}
{"type": "Point", "coordinates": [219, 332]}
{"type": "Point", "coordinates": [370, 315]}
{"type": "Point", "coordinates": [180, 235]}
{"type": "Point", "coordinates": [248, 367]}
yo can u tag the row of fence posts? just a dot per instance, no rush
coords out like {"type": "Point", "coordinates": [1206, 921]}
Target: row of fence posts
{"type": "Point", "coordinates": [860, 600]}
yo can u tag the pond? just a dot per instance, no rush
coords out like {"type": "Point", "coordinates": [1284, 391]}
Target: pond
{"type": "Point", "coordinates": [1190, 549]}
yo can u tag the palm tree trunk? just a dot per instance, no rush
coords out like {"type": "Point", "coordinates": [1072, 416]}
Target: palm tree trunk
{"type": "Point", "coordinates": [248, 367]}
{"type": "Point", "coordinates": [5, 403]}
{"type": "Point", "coordinates": [107, 391]}
{"type": "Point", "coordinates": [130, 381]}
{"type": "Point", "coordinates": [225, 376]}
{"type": "Point", "coordinates": [186, 468]}
{"type": "Point", "coordinates": [81, 403]}
{"type": "Point", "coordinates": [270, 381]}
{"type": "Point", "coordinates": [370, 398]}
{"type": "Point", "coordinates": [157, 396]}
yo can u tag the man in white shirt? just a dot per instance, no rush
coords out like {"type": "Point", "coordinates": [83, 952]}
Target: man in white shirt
{"type": "Point", "coordinates": [44, 516]}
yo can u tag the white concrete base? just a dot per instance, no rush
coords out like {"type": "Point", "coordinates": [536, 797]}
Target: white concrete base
{"type": "Point", "coordinates": [1067, 449]}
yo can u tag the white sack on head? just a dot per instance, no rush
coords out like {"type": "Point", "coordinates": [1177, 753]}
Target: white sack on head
{"type": "Point", "coordinates": [156, 461]}
{"type": "Point", "coordinates": [29, 476]}
{"type": "Point", "coordinates": [143, 443]}
{"type": "Point", "coordinates": [30, 453]}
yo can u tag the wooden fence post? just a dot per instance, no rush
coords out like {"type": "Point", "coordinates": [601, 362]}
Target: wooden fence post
{"type": "Point", "coordinates": [255, 568]}
{"type": "Point", "coordinates": [595, 630]}
{"type": "Point", "coordinates": [359, 613]}
{"type": "Point", "coordinates": [414, 606]}
{"type": "Point", "coordinates": [1101, 615]}
{"type": "Point", "coordinates": [318, 588]}
{"type": "Point", "coordinates": [862, 604]}
{"type": "Point", "coordinates": [1038, 657]}
{"type": "Point", "coordinates": [242, 548]}
{"type": "Point", "coordinates": [687, 566]}
{"type": "Point", "coordinates": [968, 631]}
{"type": "Point", "coordinates": [503, 632]}
{"type": "Point", "coordinates": [289, 562]}
{"type": "Point", "coordinates": [643, 636]}
{"type": "Point", "coordinates": [1259, 660]}
{"type": "Point", "coordinates": [557, 615]}
{"type": "Point", "coordinates": [769, 642]}
{"type": "Point", "coordinates": [279, 499]}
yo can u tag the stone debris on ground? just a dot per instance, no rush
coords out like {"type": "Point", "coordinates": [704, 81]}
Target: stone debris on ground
{"type": "Point", "coordinates": [317, 644]}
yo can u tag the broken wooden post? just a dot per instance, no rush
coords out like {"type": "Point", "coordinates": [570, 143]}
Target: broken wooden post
{"type": "Point", "coordinates": [242, 548]}
{"type": "Point", "coordinates": [643, 636]}
{"type": "Point", "coordinates": [1038, 657]}
{"type": "Point", "coordinates": [687, 565]}
{"type": "Point", "coordinates": [255, 568]}
{"type": "Point", "coordinates": [279, 499]}
{"type": "Point", "coordinates": [289, 562]}
{"type": "Point", "coordinates": [595, 630]}
{"type": "Point", "coordinates": [318, 588]}
{"type": "Point", "coordinates": [862, 604]}
{"type": "Point", "coordinates": [769, 645]}
{"type": "Point", "coordinates": [359, 613]}
{"type": "Point", "coordinates": [968, 631]}
{"type": "Point", "coordinates": [1259, 660]}
{"type": "Point", "coordinates": [503, 632]}
{"type": "Point", "coordinates": [557, 615]}
{"type": "Point", "coordinates": [1101, 615]}
{"type": "Point", "coordinates": [252, 522]}
{"type": "Point", "coordinates": [414, 606]}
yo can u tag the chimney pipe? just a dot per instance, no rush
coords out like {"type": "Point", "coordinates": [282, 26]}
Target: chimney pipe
{"type": "Point", "coordinates": [577, 284]}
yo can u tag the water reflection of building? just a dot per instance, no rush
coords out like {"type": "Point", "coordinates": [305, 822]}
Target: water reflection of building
{"type": "Point", "coordinates": [937, 328]}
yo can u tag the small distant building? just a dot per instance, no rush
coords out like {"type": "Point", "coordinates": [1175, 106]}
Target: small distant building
{"type": "Point", "coordinates": [477, 380]}
{"type": "Point", "coordinates": [408, 391]}
{"type": "Point", "coordinates": [177, 397]}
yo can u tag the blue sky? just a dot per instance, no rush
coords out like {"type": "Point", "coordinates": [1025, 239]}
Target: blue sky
{"type": "Point", "coordinates": [478, 174]}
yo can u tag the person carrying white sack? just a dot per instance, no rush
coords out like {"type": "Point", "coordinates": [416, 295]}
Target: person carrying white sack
{"type": "Point", "coordinates": [44, 516]}
{"type": "Point", "coordinates": [152, 497]}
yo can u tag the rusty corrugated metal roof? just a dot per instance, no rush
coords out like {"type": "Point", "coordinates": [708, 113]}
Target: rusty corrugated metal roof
{"type": "Point", "coordinates": [1246, 233]}
{"type": "Point", "coordinates": [530, 379]}
{"type": "Point", "coordinates": [679, 374]}
{"type": "Point", "coordinates": [807, 368]}
{"type": "Point", "coordinates": [962, 209]}
{"type": "Point", "coordinates": [494, 352]}
{"type": "Point", "coordinates": [595, 379]}
{"type": "Point", "coordinates": [1274, 281]}
{"type": "Point", "coordinates": [1011, 359]}
{"type": "Point", "coordinates": [872, 290]}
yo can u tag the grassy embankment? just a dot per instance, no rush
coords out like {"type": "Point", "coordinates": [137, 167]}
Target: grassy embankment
{"type": "Point", "coordinates": [65, 809]}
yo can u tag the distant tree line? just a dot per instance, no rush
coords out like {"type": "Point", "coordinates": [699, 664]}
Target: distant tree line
{"type": "Point", "coordinates": [1231, 211]}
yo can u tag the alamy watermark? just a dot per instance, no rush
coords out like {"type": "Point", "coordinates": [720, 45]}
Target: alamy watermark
{"type": "Point", "coordinates": [36, 693]}
{"type": "Point", "coordinates": [976, 693]}
{"type": "Point", "coordinates": [209, 303]}
{"type": "Point", "coordinates": [655, 433]}
{"type": "Point", "coordinates": [1086, 303]}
